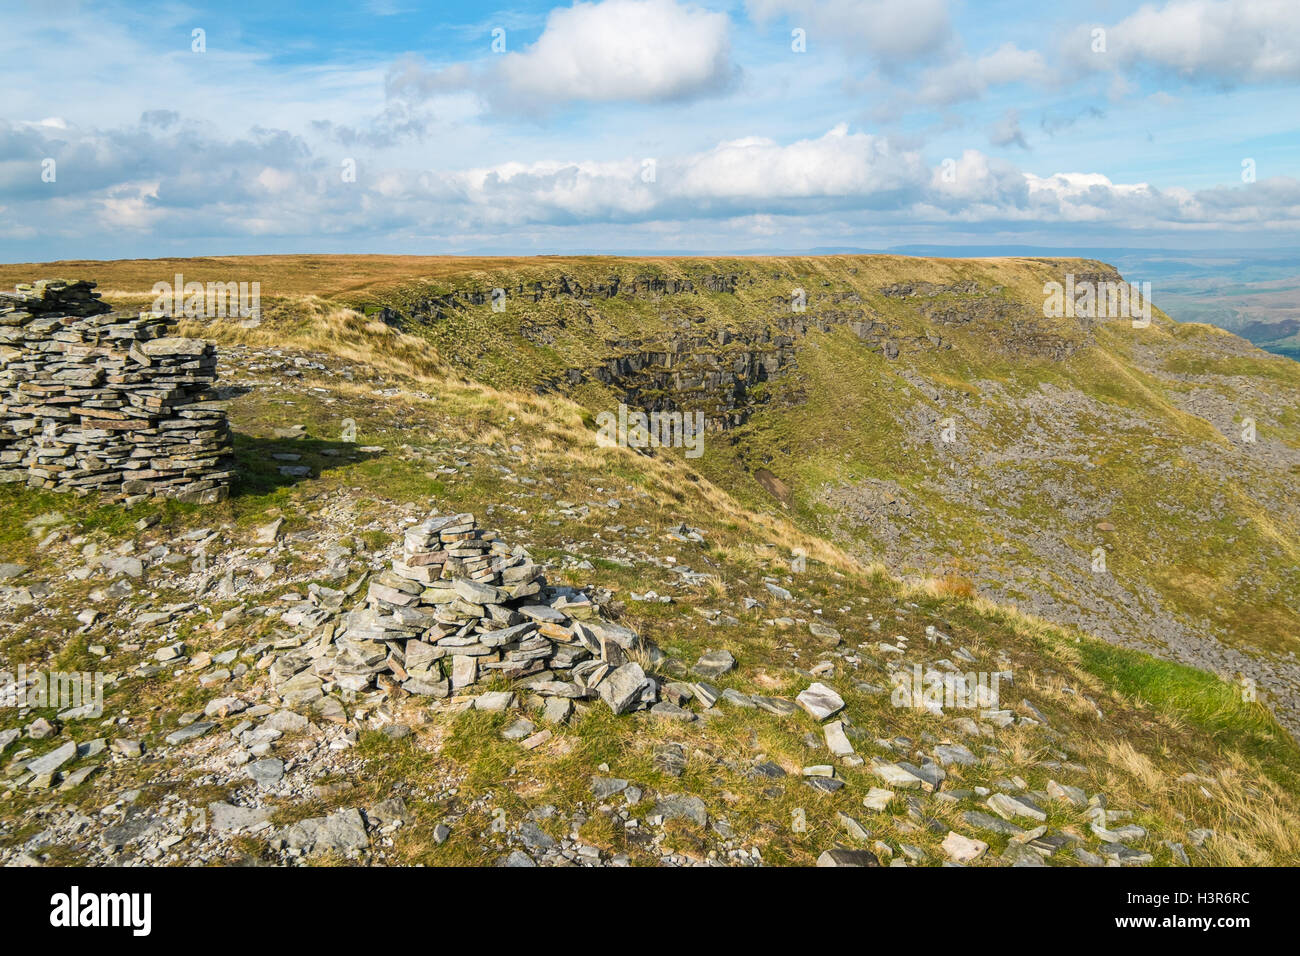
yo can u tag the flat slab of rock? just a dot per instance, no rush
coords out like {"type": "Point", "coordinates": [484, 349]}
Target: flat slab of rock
{"type": "Point", "coordinates": [820, 701]}
{"type": "Point", "coordinates": [190, 732]}
{"type": "Point", "coordinates": [877, 799]}
{"type": "Point", "coordinates": [1124, 855]}
{"type": "Point", "coordinates": [1062, 791]}
{"type": "Point", "coordinates": [948, 754]}
{"type": "Point", "coordinates": [962, 849]}
{"type": "Point", "coordinates": [557, 710]}
{"type": "Point", "coordinates": [521, 728]}
{"type": "Point", "coordinates": [714, 663]}
{"type": "Point", "coordinates": [476, 593]}
{"type": "Point", "coordinates": [682, 807]}
{"type": "Point", "coordinates": [622, 688]}
{"type": "Point", "coordinates": [841, 856]}
{"type": "Point", "coordinates": [136, 826]}
{"type": "Point", "coordinates": [1008, 807]}
{"type": "Point", "coordinates": [286, 721]}
{"type": "Point", "coordinates": [605, 787]}
{"type": "Point", "coordinates": [226, 817]}
{"type": "Point", "coordinates": [672, 711]}
{"type": "Point", "coordinates": [778, 592]}
{"type": "Point", "coordinates": [837, 740]}
{"type": "Point", "coordinates": [172, 345]}
{"type": "Point", "coordinates": [825, 633]}
{"type": "Point", "coordinates": [266, 772]}
{"type": "Point", "coordinates": [853, 827]}
{"type": "Point", "coordinates": [494, 701]}
{"type": "Point", "coordinates": [775, 705]}
{"type": "Point", "coordinates": [737, 699]}
{"type": "Point", "coordinates": [536, 740]}
{"type": "Point", "coordinates": [895, 776]}
{"type": "Point", "coordinates": [343, 830]}
{"type": "Point", "coordinates": [52, 761]}
{"type": "Point", "coordinates": [542, 614]}
{"type": "Point", "coordinates": [986, 821]}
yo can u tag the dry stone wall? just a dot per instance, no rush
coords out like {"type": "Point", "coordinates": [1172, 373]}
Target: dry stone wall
{"type": "Point", "coordinates": [97, 401]}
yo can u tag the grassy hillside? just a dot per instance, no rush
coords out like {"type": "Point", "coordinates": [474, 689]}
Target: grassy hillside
{"type": "Point", "coordinates": [918, 551]}
{"type": "Point", "coordinates": [1069, 436]}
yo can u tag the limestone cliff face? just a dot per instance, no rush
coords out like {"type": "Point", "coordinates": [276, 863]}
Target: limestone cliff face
{"type": "Point", "coordinates": [432, 308]}
{"type": "Point", "coordinates": [702, 366]}
{"type": "Point", "coordinates": [702, 335]}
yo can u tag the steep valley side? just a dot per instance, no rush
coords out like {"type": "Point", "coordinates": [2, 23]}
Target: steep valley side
{"type": "Point", "coordinates": [1134, 480]}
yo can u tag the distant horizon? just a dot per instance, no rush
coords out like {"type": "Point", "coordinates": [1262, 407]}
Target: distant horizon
{"type": "Point", "coordinates": [924, 251]}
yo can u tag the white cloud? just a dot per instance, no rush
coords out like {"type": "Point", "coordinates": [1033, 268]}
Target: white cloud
{"type": "Point", "coordinates": [735, 178]}
{"type": "Point", "coordinates": [967, 78]}
{"type": "Point", "coordinates": [1225, 41]}
{"type": "Point", "coordinates": [183, 183]}
{"type": "Point", "coordinates": [129, 206]}
{"type": "Point", "coordinates": [1010, 64]}
{"type": "Point", "coordinates": [1073, 185]}
{"type": "Point", "coordinates": [976, 180]}
{"type": "Point", "coordinates": [276, 180]}
{"type": "Point", "coordinates": [1090, 196]}
{"type": "Point", "coordinates": [609, 51]}
{"type": "Point", "coordinates": [838, 164]}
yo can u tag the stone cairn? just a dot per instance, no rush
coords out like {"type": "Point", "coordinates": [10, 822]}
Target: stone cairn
{"type": "Point", "coordinates": [96, 401]}
{"type": "Point", "coordinates": [460, 606]}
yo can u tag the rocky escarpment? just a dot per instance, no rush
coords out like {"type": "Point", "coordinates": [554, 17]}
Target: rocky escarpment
{"type": "Point", "coordinates": [718, 367]}
{"type": "Point", "coordinates": [718, 371]}
{"type": "Point", "coordinates": [1014, 327]}
{"type": "Point", "coordinates": [713, 370]}
{"type": "Point", "coordinates": [713, 374]}
{"type": "Point", "coordinates": [437, 306]}
{"type": "Point", "coordinates": [93, 400]}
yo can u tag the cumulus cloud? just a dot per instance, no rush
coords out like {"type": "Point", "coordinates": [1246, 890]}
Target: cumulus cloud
{"type": "Point", "coordinates": [182, 181]}
{"type": "Point", "coordinates": [977, 181]}
{"type": "Point", "coordinates": [839, 174]}
{"type": "Point", "coordinates": [837, 171]}
{"type": "Point", "coordinates": [610, 51]}
{"type": "Point", "coordinates": [1092, 196]}
{"type": "Point", "coordinates": [968, 78]}
{"type": "Point", "coordinates": [147, 175]}
{"type": "Point", "coordinates": [1220, 41]}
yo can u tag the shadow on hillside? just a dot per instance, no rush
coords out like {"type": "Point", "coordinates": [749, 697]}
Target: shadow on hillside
{"type": "Point", "coordinates": [264, 464]}
{"type": "Point", "coordinates": [224, 393]}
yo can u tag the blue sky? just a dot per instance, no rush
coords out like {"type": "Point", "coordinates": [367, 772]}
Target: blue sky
{"type": "Point", "coordinates": [646, 125]}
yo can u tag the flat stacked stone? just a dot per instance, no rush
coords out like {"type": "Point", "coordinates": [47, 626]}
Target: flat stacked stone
{"type": "Point", "coordinates": [96, 401]}
{"type": "Point", "coordinates": [460, 606]}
